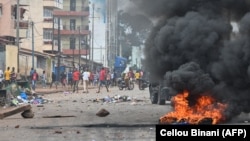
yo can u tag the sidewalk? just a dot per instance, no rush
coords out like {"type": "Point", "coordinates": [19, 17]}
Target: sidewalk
{"type": "Point", "coordinates": [48, 90]}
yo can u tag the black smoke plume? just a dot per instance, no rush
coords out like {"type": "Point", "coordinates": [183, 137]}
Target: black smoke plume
{"type": "Point", "coordinates": [194, 47]}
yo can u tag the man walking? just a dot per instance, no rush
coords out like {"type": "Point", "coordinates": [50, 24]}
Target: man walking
{"type": "Point", "coordinates": [102, 80]}
{"type": "Point", "coordinates": [76, 76]}
{"type": "Point", "coordinates": [85, 77]}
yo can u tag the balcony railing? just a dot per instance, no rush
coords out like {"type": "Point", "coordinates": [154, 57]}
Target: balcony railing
{"type": "Point", "coordinates": [77, 8]}
{"type": "Point", "coordinates": [53, 3]}
{"type": "Point", "coordinates": [71, 13]}
{"type": "Point", "coordinates": [67, 30]}
{"type": "Point", "coordinates": [48, 19]}
{"type": "Point", "coordinates": [76, 27]}
{"type": "Point", "coordinates": [22, 24]}
{"type": "Point", "coordinates": [78, 11]}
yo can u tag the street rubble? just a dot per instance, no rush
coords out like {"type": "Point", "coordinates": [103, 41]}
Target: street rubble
{"type": "Point", "coordinates": [15, 96]}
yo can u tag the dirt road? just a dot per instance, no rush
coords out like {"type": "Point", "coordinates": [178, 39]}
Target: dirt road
{"type": "Point", "coordinates": [72, 117]}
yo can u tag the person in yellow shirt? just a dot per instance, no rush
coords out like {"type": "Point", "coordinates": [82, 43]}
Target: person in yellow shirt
{"type": "Point", "coordinates": [137, 76]}
{"type": "Point", "coordinates": [7, 76]}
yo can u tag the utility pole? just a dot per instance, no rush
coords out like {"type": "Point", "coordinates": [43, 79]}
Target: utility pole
{"type": "Point", "coordinates": [17, 32]}
{"type": "Point", "coordinates": [74, 53]}
{"type": "Point", "coordinates": [59, 50]}
{"type": "Point", "coordinates": [120, 44]}
{"type": "Point", "coordinates": [92, 49]}
{"type": "Point", "coordinates": [79, 29]}
{"type": "Point", "coordinates": [32, 29]}
{"type": "Point", "coordinates": [53, 28]}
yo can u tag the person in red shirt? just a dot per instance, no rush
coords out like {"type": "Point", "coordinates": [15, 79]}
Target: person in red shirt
{"type": "Point", "coordinates": [34, 79]}
{"type": "Point", "coordinates": [102, 80]}
{"type": "Point", "coordinates": [75, 77]}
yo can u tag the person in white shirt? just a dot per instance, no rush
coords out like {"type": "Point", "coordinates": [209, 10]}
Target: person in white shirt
{"type": "Point", "coordinates": [85, 78]}
{"type": "Point", "coordinates": [1, 79]}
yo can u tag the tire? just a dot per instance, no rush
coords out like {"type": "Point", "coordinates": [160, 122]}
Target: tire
{"type": "Point", "coordinates": [161, 101]}
{"type": "Point", "coordinates": [120, 87]}
{"type": "Point", "coordinates": [1, 85]}
{"type": "Point", "coordinates": [131, 85]}
{"type": "Point", "coordinates": [153, 96]}
{"type": "Point", "coordinates": [141, 86]}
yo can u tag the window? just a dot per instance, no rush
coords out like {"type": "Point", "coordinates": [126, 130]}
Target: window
{"type": "Point", "coordinates": [72, 24]}
{"type": "Point", "coordinates": [72, 42]}
{"type": "Point", "coordinates": [1, 10]}
{"type": "Point", "coordinates": [59, 1]}
{"type": "Point", "coordinates": [72, 5]}
{"type": "Point", "coordinates": [41, 62]}
{"type": "Point", "coordinates": [47, 35]}
{"type": "Point", "coordinates": [47, 13]}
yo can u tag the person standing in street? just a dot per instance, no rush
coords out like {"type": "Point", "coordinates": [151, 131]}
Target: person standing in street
{"type": "Point", "coordinates": [70, 81]}
{"type": "Point", "coordinates": [76, 76]}
{"type": "Point", "coordinates": [53, 80]}
{"type": "Point", "coordinates": [63, 79]}
{"type": "Point", "coordinates": [13, 75]}
{"type": "Point", "coordinates": [1, 78]}
{"type": "Point", "coordinates": [34, 79]}
{"type": "Point", "coordinates": [85, 77]}
{"type": "Point", "coordinates": [102, 80]}
{"type": "Point", "coordinates": [7, 76]}
{"type": "Point", "coordinates": [43, 79]}
{"type": "Point", "coordinates": [31, 72]}
{"type": "Point", "coordinates": [18, 76]}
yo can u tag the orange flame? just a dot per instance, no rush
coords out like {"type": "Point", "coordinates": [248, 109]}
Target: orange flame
{"type": "Point", "coordinates": [205, 108]}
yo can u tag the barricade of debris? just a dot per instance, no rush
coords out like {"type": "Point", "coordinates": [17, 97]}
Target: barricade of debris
{"type": "Point", "coordinates": [14, 95]}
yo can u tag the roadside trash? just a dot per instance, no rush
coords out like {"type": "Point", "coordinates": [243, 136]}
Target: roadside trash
{"type": "Point", "coordinates": [23, 95]}
{"type": "Point", "coordinates": [65, 92]}
{"type": "Point", "coordinates": [116, 99]}
{"type": "Point", "coordinates": [14, 102]}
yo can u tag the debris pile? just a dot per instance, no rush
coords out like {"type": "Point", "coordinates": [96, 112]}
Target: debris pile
{"type": "Point", "coordinates": [116, 99]}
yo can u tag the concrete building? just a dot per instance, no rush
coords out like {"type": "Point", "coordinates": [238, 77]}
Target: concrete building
{"type": "Point", "coordinates": [112, 32]}
{"type": "Point", "coordinates": [74, 33]}
{"type": "Point", "coordinates": [31, 36]}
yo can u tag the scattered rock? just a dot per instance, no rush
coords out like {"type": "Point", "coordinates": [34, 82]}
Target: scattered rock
{"type": "Point", "coordinates": [58, 132]}
{"type": "Point", "coordinates": [39, 105]}
{"type": "Point", "coordinates": [27, 114]}
{"type": "Point", "coordinates": [17, 126]}
{"type": "Point", "coordinates": [102, 113]}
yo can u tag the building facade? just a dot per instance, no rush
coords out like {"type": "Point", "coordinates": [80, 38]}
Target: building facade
{"type": "Point", "coordinates": [112, 32]}
{"type": "Point", "coordinates": [74, 32]}
{"type": "Point", "coordinates": [23, 23]}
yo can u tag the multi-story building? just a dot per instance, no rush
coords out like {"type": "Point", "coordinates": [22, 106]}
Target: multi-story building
{"type": "Point", "coordinates": [74, 33]}
{"type": "Point", "coordinates": [112, 32]}
{"type": "Point", "coordinates": [33, 36]}
{"type": "Point", "coordinates": [8, 32]}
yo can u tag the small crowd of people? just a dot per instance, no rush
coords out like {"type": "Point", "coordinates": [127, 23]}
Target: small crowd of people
{"type": "Point", "coordinates": [73, 78]}
{"type": "Point", "coordinates": [9, 76]}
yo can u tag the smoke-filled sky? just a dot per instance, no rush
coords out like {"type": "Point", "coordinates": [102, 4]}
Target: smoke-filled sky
{"type": "Point", "coordinates": [192, 45]}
